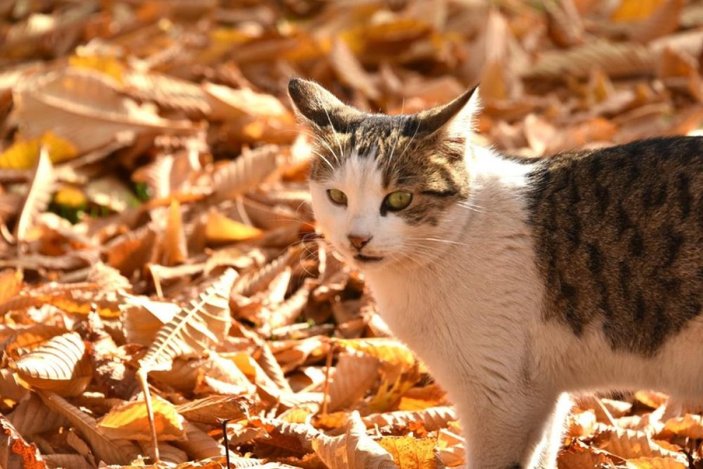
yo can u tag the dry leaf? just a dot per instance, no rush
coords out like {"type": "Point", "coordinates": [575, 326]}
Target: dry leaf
{"type": "Point", "coordinates": [129, 421]}
{"type": "Point", "coordinates": [354, 449]}
{"type": "Point", "coordinates": [38, 197]}
{"type": "Point", "coordinates": [409, 452]}
{"type": "Point", "coordinates": [59, 365]}
{"type": "Point", "coordinates": [352, 378]}
{"type": "Point", "coordinates": [192, 330]}
{"type": "Point", "coordinates": [77, 99]}
{"type": "Point", "coordinates": [15, 451]}
{"type": "Point", "coordinates": [109, 450]}
{"type": "Point", "coordinates": [245, 173]}
{"type": "Point", "coordinates": [221, 229]}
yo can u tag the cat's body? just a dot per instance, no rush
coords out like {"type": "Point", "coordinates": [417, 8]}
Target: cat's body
{"type": "Point", "coordinates": [514, 280]}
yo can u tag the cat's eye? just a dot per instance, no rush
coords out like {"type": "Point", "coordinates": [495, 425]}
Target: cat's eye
{"type": "Point", "coordinates": [397, 200]}
{"type": "Point", "coordinates": [337, 197]}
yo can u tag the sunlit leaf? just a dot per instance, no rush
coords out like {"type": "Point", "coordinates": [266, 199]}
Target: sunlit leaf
{"type": "Point", "coordinates": [130, 422]}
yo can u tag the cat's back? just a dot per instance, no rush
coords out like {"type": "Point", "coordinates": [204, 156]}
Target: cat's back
{"type": "Point", "coordinates": [619, 238]}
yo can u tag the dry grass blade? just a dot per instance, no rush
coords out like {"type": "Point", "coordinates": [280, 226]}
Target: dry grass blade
{"type": "Point", "coordinates": [38, 197]}
{"type": "Point", "coordinates": [245, 173]}
{"type": "Point", "coordinates": [352, 450]}
{"type": "Point", "coordinates": [15, 451]}
{"type": "Point", "coordinates": [106, 449]}
{"type": "Point", "coordinates": [60, 365]}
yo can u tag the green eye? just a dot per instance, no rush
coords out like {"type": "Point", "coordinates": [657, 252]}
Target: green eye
{"type": "Point", "coordinates": [397, 200]}
{"type": "Point", "coordinates": [337, 197]}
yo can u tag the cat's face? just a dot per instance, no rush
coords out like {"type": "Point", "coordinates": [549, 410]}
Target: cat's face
{"type": "Point", "coordinates": [384, 188]}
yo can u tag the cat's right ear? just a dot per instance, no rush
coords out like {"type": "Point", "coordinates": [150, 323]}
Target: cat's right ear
{"type": "Point", "coordinates": [317, 106]}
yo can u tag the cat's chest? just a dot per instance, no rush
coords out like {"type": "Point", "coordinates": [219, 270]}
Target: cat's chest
{"type": "Point", "coordinates": [429, 316]}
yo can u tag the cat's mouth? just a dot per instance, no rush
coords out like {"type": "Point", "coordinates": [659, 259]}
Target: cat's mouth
{"type": "Point", "coordinates": [363, 258]}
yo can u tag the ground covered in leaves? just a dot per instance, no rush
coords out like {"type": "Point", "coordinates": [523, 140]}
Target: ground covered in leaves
{"type": "Point", "coordinates": [156, 237]}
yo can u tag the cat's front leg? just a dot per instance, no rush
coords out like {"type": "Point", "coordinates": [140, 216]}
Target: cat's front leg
{"type": "Point", "coordinates": [545, 455]}
{"type": "Point", "coordinates": [504, 431]}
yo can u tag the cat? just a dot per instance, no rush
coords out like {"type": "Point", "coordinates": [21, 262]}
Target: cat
{"type": "Point", "coordinates": [516, 280]}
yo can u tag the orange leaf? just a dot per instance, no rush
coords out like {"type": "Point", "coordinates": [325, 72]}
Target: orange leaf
{"type": "Point", "coordinates": [220, 228]}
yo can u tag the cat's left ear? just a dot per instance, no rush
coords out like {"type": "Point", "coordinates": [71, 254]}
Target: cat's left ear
{"type": "Point", "coordinates": [456, 116]}
{"type": "Point", "coordinates": [317, 106]}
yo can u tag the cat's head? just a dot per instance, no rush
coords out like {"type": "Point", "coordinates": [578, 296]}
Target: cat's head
{"type": "Point", "coordinates": [386, 189]}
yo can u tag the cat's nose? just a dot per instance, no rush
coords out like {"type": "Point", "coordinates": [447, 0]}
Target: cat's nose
{"type": "Point", "coordinates": [359, 241]}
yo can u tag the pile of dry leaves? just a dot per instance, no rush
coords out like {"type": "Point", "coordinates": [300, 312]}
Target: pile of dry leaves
{"type": "Point", "coordinates": [160, 272]}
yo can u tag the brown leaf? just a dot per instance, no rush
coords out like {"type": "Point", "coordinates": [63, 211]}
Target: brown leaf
{"type": "Point", "coordinates": [350, 71]}
{"type": "Point", "coordinates": [109, 450]}
{"type": "Point", "coordinates": [212, 409]}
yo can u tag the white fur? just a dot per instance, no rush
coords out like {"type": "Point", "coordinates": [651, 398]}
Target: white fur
{"type": "Point", "coordinates": [468, 301]}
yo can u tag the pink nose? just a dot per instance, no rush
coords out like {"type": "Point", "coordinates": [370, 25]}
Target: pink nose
{"type": "Point", "coordinates": [359, 241]}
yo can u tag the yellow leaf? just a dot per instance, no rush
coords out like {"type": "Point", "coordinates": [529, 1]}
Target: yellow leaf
{"type": "Point", "coordinates": [388, 351]}
{"type": "Point", "coordinates": [409, 452]}
{"type": "Point", "coordinates": [656, 463]}
{"type": "Point", "coordinates": [689, 425]}
{"type": "Point", "coordinates": [23, 154]}
{"type": "Point", "coordinates": [220, 228]}
{"type": "Point", "coordinates": [175, 247]}
{"type": "Point", "coordinates": [129, 421]}
{"type": "Point", "coordinates": [70, 196]}
{"type": "Point", "coordinates": [59, 148]}
{"type": "Point", "coordinates": [10, 284]}
{"type": "Point", "coordinates": [634, 10]}
{"type": "Point", "coordinates": [332, 421]}
{"type": "Point", "coordinates": [108, 65]}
